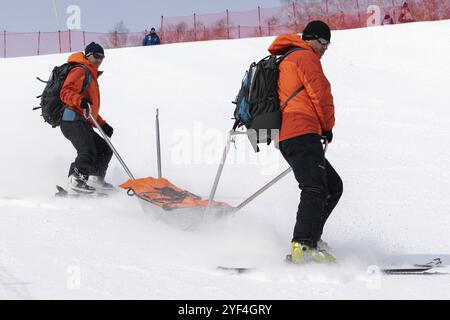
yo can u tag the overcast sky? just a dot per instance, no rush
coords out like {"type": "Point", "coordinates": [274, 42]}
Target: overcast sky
{"type": "Point", "coordinates": [101, 15]}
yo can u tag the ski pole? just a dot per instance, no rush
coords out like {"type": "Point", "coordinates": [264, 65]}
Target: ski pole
{"type": "Point", "coordinates": [158, 145]}
{"type": "Point", "coordinates": [262, 190]}
{"type": "Point", "coordinates": [212, 195]}
{"type": "Point", "coordinates": [105, 137]}
{"type": "Point", "coordinates": [218, 175]}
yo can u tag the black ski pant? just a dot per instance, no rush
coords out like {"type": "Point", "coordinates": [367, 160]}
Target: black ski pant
{"type": "Point", "coordinates": [321, 187]}
{"type": "Point", "coordinates": [93, 153]}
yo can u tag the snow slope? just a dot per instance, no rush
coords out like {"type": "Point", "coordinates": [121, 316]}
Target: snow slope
{"type": "Point", "coordinates": [393, 119]}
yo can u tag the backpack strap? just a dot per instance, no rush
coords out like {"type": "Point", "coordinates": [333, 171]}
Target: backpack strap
{"type": "Point", "coordinates": [284, 105]}
{"type": "Point", "coordinates": [281, 58]}
{"type": "Point", "coordinates": [87, 78]}
{"type": "Point", "coordinates": [86, 82]}
{"type": "Point", "coordinates": [292, 96]}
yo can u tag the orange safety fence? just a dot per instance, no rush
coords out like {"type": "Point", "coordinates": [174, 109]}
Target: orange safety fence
{"type": "Point", "coordinates": [261, 22]}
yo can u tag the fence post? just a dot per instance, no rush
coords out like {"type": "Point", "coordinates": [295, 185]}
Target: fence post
{"type": "Point", "coordinates": [116, 42]}
{"type": "Point", "coordinates": [393, 11]}
{"type": "Point", "coordinates": [228, 24]}
{"type": "Point", "coordinates": [359, 13]}
{"type": "Point", "coordinates": [195, 27]}
{"type": "Point", "coordinates": [84, 39]}
{"type": "Point", "coordinates": [295, 16]}
{"type": "Point", "coordinates": [268, 25]}
{"type": "Point", "coordinates": [39, 43]}
{"type": "Point", "coordinates": [162, 28]}
{"type": "Point", "coordinates": [294, 13]}
{"type": "Point", "coordinates": [60, 46]}
{"type": "Point", "coordinates": [239, 31]}
{"type": "Point", "coordinates": [259, 20]}
{"type": "Point", "coordinates": [4, 43]}
{"type": "Point", "coordinates": [70, 40]}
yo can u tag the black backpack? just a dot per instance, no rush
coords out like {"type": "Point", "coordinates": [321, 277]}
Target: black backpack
{"type": "Point", "coordinates": [52, 108]}
{"type": "Point", "coordinates": [257, 103]}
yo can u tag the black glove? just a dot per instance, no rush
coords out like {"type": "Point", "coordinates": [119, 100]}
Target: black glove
{"type": "Point", "coordinates": [328, 135]}
{"type": "Point", "coordinates": [84, 104]}
{"type": "Point", "coordinates": [108, 130]}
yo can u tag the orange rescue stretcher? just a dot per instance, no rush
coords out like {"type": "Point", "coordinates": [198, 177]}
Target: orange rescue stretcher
{"type": "Point", "coordinates": [161, 194]}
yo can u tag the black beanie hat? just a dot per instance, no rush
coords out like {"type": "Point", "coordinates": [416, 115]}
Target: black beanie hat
{"type": "Point", "coordinates": [316, 29]}
{"type": "Point", "coordinates": [94, 48]}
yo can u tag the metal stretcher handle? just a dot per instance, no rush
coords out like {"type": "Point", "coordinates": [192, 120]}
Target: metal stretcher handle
{"type": "Point", "coordinates": [88, 115]}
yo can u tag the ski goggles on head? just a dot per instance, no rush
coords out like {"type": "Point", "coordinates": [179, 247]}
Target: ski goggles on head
{"type": "Point", "coordinates": [97, 56]}
{"type": "Point", "coordinates": [322, 41]}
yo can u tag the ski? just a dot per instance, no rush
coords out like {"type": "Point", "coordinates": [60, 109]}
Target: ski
{"type": "Point", "coordinates": [63, 193]}
{"type": "Point", "coordinates": [428, 268]}
{"type": "Point", "coordinates": [435, 263]}
{"type": "Point", "coordinates": [406, 270]}
{"type": "Point", "coordinates": [235, 270]}
{"type": "Point", "coordinates": [434, 267]}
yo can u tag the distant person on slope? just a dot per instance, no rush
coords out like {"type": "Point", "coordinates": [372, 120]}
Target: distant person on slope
{"type": "Point", "coordinates": [307, 118]}
{"type": "Point", "coordinates": [87, 172]}
{"type": "Point", "coordinates": [151, 39]}
{"type": "Point", "coordinates": [387, 20]}
{"type": "Point", "coordinates": [405, 14]}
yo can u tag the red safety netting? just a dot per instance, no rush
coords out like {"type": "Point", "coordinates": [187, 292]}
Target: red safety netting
{"type": "Point", "coordinates": [49, 42]}
{"type": "Point", "coordinates": [20, 44]}
{"type": "Point", "coordinates": [235, 25]}
{"type": "Point", "coordinates": [3, 44]}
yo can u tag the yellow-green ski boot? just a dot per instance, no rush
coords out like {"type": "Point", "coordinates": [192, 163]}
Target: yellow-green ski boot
{"type": "Point", "coordinates": [302, 253]}
{"type": "Point", "coordinates": [323, 245]}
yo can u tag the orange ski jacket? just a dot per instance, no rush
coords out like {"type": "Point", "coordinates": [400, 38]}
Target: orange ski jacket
{"type": "Point", "coordinates": [70, 92]}
{"type": "Point", "coordinates": [312, 110]}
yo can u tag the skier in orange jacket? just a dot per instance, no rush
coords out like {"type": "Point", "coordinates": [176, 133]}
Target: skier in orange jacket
{"type": "Point", "coordinates": [87, 172]}
{"type": "Point", "coordinates": [308, 118]}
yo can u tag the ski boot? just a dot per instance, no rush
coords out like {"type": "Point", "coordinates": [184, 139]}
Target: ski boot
{"type": "Point", "coordinates": [322, 245]}
{"type": "Point", "coordinates": [303, 253]}
{"type": "Point", "coordinates": [100, 184]}
{"type": "Point", "coordinates": [78, 184]}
